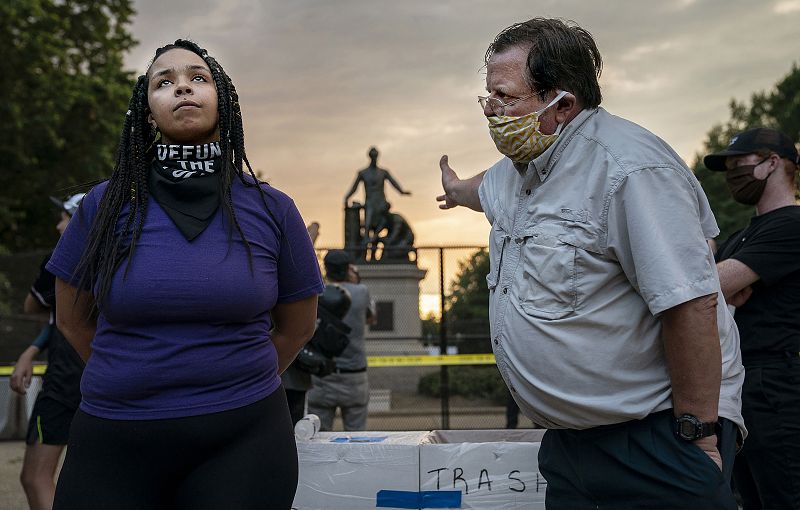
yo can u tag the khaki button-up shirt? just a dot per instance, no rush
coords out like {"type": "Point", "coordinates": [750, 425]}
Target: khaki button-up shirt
{"type": "Point", "coordinates": [599, 235]}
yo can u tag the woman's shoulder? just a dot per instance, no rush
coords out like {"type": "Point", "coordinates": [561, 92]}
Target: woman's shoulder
{"type": "Point", "coordinates": [274, 196]}
{"type": "Point", "coordinates": [91, 201]}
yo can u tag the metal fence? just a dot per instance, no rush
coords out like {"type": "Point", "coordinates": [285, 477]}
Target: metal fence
{"type": "Point", "coordinates": [409, 388]}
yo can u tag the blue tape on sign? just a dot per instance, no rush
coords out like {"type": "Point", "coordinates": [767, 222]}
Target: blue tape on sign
{"type": "Point", "coordinates": [418, 500]}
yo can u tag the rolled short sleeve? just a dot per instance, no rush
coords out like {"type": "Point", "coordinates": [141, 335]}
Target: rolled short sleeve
{"type": "Point", "coordinates": [489, 188]}
{"type": "Point", "coordinates": [299, 276]}
{"type": "Point", "coordinates": [72, 244]}
{"type": "Point", "coordinates": [655, 232]}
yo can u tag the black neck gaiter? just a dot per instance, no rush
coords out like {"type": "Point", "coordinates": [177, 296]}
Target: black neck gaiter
{"type": "Point", "coordinates": [185, 181]}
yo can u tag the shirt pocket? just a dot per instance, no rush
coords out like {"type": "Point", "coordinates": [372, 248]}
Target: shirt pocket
{"type": "Point", "coordinates": [497, 243]}
{"type": "Point", "coordinates": [549, 288]}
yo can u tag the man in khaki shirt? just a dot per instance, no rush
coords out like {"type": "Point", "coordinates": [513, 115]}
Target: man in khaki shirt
{"type": "Point", "coordinates": [603, 292]}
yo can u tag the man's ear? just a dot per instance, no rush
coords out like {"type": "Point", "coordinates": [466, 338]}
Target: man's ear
{"type": "Point", "coordinates": [565, 107]}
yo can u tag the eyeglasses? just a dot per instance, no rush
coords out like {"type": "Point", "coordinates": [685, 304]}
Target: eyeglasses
{"type": "Point", "coordinates": [498, 107]}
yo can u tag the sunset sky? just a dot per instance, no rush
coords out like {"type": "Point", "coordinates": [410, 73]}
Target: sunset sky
{"type": "Point", "coordinates": [322, 81]}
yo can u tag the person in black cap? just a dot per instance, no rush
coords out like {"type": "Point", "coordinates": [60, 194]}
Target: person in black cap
{"type": "Point", "coordinates": [348, 387]}
{"type": "Point", "coordinates": [60, 396]}
{"type": "Point", "coordinates": [759, 271]}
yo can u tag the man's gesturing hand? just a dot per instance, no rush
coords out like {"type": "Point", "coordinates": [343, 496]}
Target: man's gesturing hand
{"type": "Point", "coordinates": [458, 191]}
{"type": "Point", "coordinates": [449, 182]}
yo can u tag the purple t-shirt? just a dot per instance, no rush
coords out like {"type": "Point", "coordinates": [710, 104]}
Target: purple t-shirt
{"type": "Point", "coordinates": [186, 332]}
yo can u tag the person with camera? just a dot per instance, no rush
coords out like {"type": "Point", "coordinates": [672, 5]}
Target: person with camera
{"type": "Point", "coordinates": [347, 387]}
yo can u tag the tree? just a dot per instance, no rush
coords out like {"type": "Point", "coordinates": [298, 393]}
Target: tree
{"type": "Point", "coordinates": [467, 306]}
{"type": "Point", "coordinates": [778, 109]}
{"type": "Point", "coordinates": [65, 94]}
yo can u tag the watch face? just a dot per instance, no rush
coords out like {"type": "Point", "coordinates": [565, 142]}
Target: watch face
{"type": "Point", "coordinates": [687, 429]}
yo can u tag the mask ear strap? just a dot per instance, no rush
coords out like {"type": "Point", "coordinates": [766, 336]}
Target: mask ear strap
{"type": "Point", "coordinates": [557, 98]}
{"type": "Point", "coordinates": [554, 101]}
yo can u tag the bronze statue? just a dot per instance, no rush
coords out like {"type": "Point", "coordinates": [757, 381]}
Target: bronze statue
{"type": "Point", "coordinates": [362, 238]}
{"type": "Point", "coordinates": [397, 241]}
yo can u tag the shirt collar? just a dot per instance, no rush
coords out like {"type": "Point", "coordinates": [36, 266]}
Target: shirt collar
{"type": "Point", "coordinates": [544, 163]}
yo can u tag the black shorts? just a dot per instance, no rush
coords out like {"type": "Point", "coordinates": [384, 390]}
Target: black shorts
{"type": "Point", "coordinates": [50, 421]}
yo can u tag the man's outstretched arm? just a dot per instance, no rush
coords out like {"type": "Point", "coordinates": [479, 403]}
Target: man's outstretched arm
{"type": "Point", "coordinates": [457, 191]}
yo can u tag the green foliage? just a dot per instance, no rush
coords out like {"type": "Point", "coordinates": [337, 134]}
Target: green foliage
{"type": "Point", "coordinates": [65, 94]}
{"type": "Point", "coordinates": [430, 329]}
{"type": "Point", "coordinates": [778, 108]}
{"type": "Point", "coordinates": [470, 382]}
{"type": "Point", "coordinates": [6, 290]}
{"type": "Point", "coordinates": [467, 306]}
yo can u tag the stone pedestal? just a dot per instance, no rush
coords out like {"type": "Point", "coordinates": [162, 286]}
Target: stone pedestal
{"type": "Point", "coordinates": [395, 290]}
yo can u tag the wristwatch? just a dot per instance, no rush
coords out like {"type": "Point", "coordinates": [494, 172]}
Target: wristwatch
{"type": "Point", "coordinates": [689, 427]}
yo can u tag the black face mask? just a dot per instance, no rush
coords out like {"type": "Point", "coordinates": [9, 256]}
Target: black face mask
{"type": "Point", "coordinates": [744, 186]}
{"type": "Point", "coordinates": [185, 181]}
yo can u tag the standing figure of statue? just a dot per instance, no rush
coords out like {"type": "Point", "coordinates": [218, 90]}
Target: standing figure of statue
{"type": "Point", "coordinates": [375, 206]}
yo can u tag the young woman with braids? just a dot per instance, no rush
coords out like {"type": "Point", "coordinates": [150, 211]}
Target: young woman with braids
{"type": "Point", "coordinates": [188, 287]}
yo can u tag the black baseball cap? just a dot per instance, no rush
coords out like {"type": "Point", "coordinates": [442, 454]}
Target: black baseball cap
{"type": "Point", "coordinates": [750, 141]}
{"type": "Point", "coordinates": [337, 259]}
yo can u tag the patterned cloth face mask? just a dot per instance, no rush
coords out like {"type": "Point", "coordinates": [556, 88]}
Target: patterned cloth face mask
{"type": "Point", "coordinates": [519, 138]}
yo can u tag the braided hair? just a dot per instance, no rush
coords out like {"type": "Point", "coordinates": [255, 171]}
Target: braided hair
{"type": "Point", "coordinates": [107, 246]}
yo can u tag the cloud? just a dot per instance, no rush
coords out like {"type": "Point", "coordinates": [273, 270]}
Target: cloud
{"type": "Point", "coordinates": [619, 81]}
{"type": "Point", "coordinates": [786, 6]}
{"type": "Point", "coordinates": [648, 50]}
{"type": "Point", "coordinates": [320, 82]}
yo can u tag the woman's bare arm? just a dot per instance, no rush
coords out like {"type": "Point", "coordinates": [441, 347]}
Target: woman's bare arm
{"type": "Point", "coordinates": [293, 325]}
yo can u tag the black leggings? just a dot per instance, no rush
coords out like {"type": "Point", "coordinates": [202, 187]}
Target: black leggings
{"type": "Point", "coordinates": [243, 458]}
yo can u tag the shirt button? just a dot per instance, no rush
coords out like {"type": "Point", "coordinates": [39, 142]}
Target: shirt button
{"type": "Point", "coordinates": [496, 341]}
{"type": "Point", "coordinates": [544, 172]}
{"type": "Point", "coordinates": [527, 192]}
{"type": "Point", "coordinates": [519, 240]}
{"type": "Point", "coordinates": [505, 290]}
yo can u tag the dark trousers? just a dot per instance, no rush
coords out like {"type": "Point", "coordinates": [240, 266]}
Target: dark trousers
{"type": "Point", "coordinates": [635, 465]}
{"type": "Point", "coordinates": [512, 412]}
{"type": "Point", "coordinates": [767, 470]}
{"type": "Point", "coordinates": [244, 458]}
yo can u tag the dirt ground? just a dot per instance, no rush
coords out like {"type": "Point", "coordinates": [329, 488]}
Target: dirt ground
{"type": "Point", "coordinates": [11, 495]}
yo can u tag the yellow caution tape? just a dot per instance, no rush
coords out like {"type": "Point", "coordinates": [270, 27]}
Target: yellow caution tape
{"type": "Point", "coordinates": [372, 361]}
{"type": "Point", "coordinates": [9, 369]}
{"type": "Point", "coordinates": [430, 361]}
